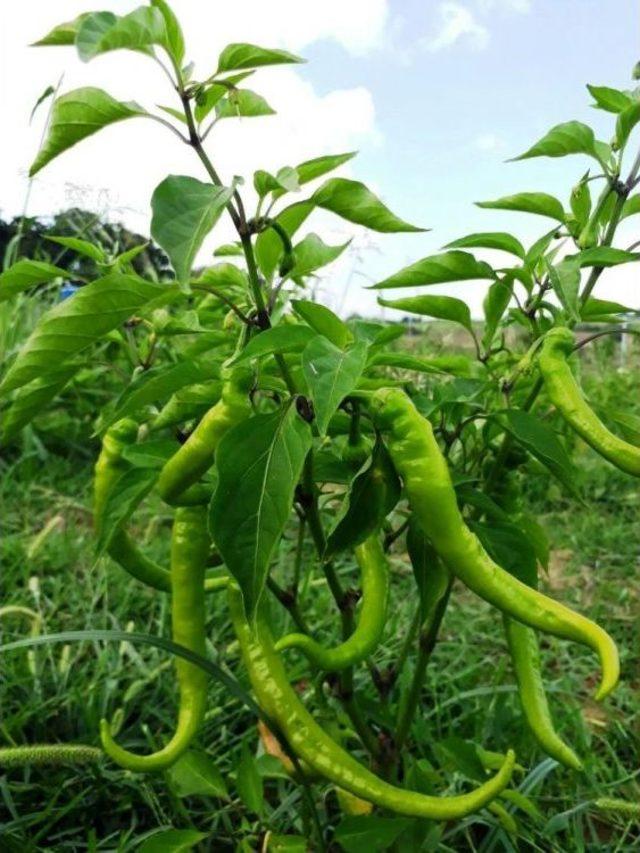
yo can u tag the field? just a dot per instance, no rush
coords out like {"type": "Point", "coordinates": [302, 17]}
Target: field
{"type": "Point", "coordinates": [58, 692]}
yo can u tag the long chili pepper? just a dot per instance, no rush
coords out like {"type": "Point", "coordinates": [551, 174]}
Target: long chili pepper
{"type": "Point", "coordinates": [366, 637]}
{"type": "Point", "coordinates": [189, 552]}
{"type": "Point", "coordinates": [427, 480]}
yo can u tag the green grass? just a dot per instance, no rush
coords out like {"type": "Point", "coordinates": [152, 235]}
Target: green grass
{"type": "Point", "coordinates": [59, 693]}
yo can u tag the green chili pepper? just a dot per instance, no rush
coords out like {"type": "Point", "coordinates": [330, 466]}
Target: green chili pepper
{"type": "Point", "coordinates": [109, 467]}
{"type": "Point", "coordinates": [525, 654]}
{"type": "Point", "coordinates": [367, 635]}
{"type": "Point", "coordinates": [427, 481]}
{"type": "Point", "coordinates": [312, 744]}
{"type": "Point", "coordinates": [197, 454]}
{"type": "Point", "coordinates": [566, 396]}
{"type": "Point", "coordinates": [189, 552]}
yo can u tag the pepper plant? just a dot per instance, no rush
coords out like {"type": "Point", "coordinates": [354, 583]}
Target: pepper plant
{"type": "Point", "coordinates": [257, 414]}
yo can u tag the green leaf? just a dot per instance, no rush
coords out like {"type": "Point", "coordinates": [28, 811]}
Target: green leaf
{"type": "Point", "coordinates": [611, 100]}
{"type": "Point", "coordinates": [571, 137]}
{"type": "Point", "coordinates": [581, 203]}
{"type": "Point", "coordinates": [458, 365]}
{"type": "Point", "coordinates": [436, 269]}
{"type": "Point", "coordinates": [627, 120]}
{"type": "Point", "coordinates": [565, 279]}
{"type": "Point", "coordinates": [331, 375]}
{"type": "Point", "coordinates": [510, 548]}
{"type": "Point", "coordinates": [284, 181]}
{"type": "Point", "coordinates": [156, 385]}
{"type": "Point", "coordinates": [440, 307]}
{"type": "Point", "coordinates": [279, 339]}
{"type": "Point", "coordinates": [312, 253]}
{"type": "Point", "coordinates": [48, 92]}
{"type": "Point", "coordinates": [268, 247]}
{"type": "Point", "coordinates": [30, 400]}
{"type": "Point", "coordinates": [243, 103]}
{"type": "Point", "coordinates": [77, 115]}
{"type": "Point", "coordinates": [490, 240]}
{"type": "Point", "coordinates": [194, 774]}
{"type": "Point", "coordinates": [605, 256]}
{"type": "Point", "coordinates": [150, 454]}
{"type": "Point", "coordinates": [129, 490]}
{"type": "Point", "coordinates": [595, 308]}
{"type": "Point", "coordinates": [25, 274]}
{"type": "Point", "coordinates": [62, 35]}
{"type": "Point", "coordinates": [312, 169]}
{"type": "Point", "coordinates": [542, 204]}
{"type": "Point", "coordinates": [214, 93]}
{"type": "Point", "coordinates": [229, 250]}
{"type": "Point", "coordinates": [352, 201]}
{"type": "Point", "coordinates": [81, 247]}
{"type": "Point", "coordinates": [76, 323]}
{"type": "Point", "coordinates": [172, 841]}
{"type": "Point", "coordinates": [285, 843]}
{"type": "Point", "coordinates": [224, 275]}
{"type": "Point", "coordinates": [259, 464]}
{"type": "Point", "coordinates": [541, 441]}
{"type": "Point", "coordinates": [432, 578]}
{"type": "Point", "coordinates": [174, 37]}
{"type": "Point", "coordinates": [372, 495]}
{"type": "Point", "coordinates": [630, 207]}
{"type": "Point", "coordinates": [249, 782]}
{"type": "Point", "coordinates": [371, 833]}
{"type": "Point", "coordinates": [240, 55]}
{"type": "Point", "coordinates": [323, 321]}
{"type": "Point", "coordinates": [184, 212]}
{"type": "Point", "coordinates": [140, 30]}
{"type": "Point", "coordinates": [495, 304]}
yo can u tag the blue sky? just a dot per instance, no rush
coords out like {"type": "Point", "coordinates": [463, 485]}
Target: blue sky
{"type": "Point", "coordinates": [435, 95]}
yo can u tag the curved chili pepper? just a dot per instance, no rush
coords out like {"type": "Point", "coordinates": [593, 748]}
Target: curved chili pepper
{"type": "Point", "coordinates": [197, 454]}
{"type": "Point", "coordinates": [311, 743]}
{"type": "Point", "coordinates": [109, 467]}
{"type": "Point", "coordinates": [525, 654]}
{"type": "Point", "coordinates": [368, 632]}
{"type": "Point", "coordinates": [566, 396]}
{"type": "Point", "coordinates": [189, 552]}
{"type": "Point", "coordinates": [427, 481]}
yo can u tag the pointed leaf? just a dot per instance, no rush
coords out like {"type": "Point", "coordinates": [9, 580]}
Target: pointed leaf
{"type": "Point", "coordinates": [611, 100]}
{"type": "Point", "coordinates": [374, 834]}
{"type": "Point", "coordinates": [323, 321]}
{"type": "Point", "coordinates": [249, 782]}
{"type": "Point", "coordinates": [194, 774]}
{"type": "Point", "coordinates": [81, 247]}
{"type": "Point", "coordinates": [495, 304]}
{"type": "Point", "coordinates": [214, 93]}
{"type": "Point", "coordinates": [279, 339]}
{"type": "Point", "coordinates": [174, 36]}
{"type": "Point", "coordinates": [48, 92]}
{"type": "Point", "coordinates": [139, 30]}
{"type": "Point", "coordinates": [631, 207]}
{"type": "Point", "coordinates": [458, 365]}
{"type": "Point", "coordinates": [77, 115]}
{"type": "Point", "coordinates": [372, 495]}
{"type": "Point", "coordinates": [30, 400]}
{"type": "Point", "coordinates": [259, 464]}
{"type": "Point", "coordinates": [76, 323]}
{"type": "Point", "coordinates": [627, 120]}
{"type": "Point", "coordinates": [331, 375]}
{"type": "Point", "coordinates": [354, 202]}
{"type": "Point", "coordinates": [541, 441]}
{"type": "Point", "coordinates": [490, 240]}
{"type": "Point", "coordinates": [596, 308]}
{"type": "Point", "coordinates": [440, 307]}
{"type": "Point", "coordinates": [312, 253]}
{"type": "Point", "coordinates": [605, 256]}
{"type": "Point", "coordinates": [62, 35]}
{"type": "Point", "coordinates": [436, 269]}
{"type": "Point", "coordinates": [184, 212]}
{"type": "Point", "coordinates": [565, 279]}
{"type": "Point", "coordinates": [25, 274]}
{"type": "Point", "coordinates": [312, 169]}
{"type": "Point", "coordinates": [542, 204]}
{"type": "Point", "coordinates": [225, 275]}
{"type": "Point", "coordinates": [571, 137]}
{"type": "Point", "coordinates": [268, 246]}
{"type": "Point", "coordinates": [241, 55]}
{"type": "Point", "coordinates": [243, 103]}
{"type": "Point", "coordinates": [172, 841]}
{"type": "Point", "coordinates": [129, 490]}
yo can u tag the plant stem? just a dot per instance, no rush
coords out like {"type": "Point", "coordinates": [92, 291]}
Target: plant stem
{"type": "Point", "coordinates": [287, 600]}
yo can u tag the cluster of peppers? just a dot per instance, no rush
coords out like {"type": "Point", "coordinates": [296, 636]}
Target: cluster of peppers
{"type": "Point", "coordinates": [431, 495]}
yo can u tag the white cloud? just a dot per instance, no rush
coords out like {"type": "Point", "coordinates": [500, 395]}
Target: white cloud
{"type": "Point", "coordinates": [457, 22]}
{"type": "Point", "coordinates": [489, 142]}
{"type": "Point", "coordinates": [521, 6]}
{"type": "Point", "coordinates": [116, 170]}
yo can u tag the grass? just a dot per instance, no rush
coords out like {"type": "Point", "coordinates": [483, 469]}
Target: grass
{"type": "Point", "coordinates": [60, 692]}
